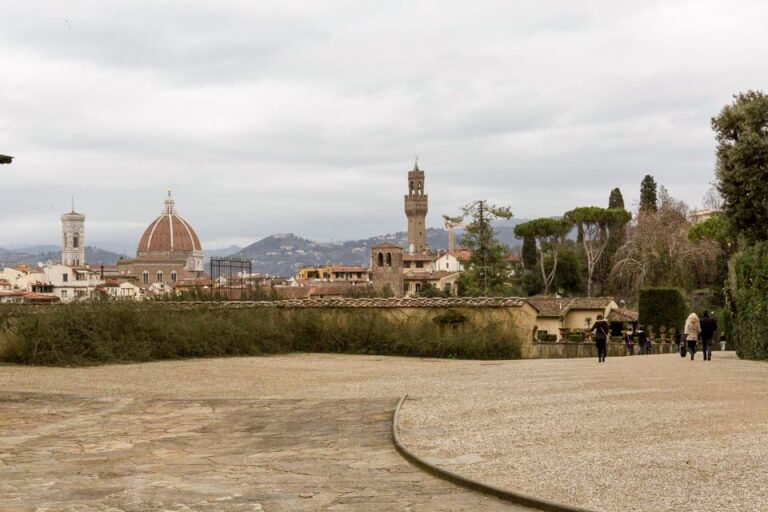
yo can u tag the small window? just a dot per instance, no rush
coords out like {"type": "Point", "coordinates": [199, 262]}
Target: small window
{"type": "Point", "coordinates": [65, 277]}
{"type": "Point", "coordinates": [145, 277]}
{"type": "Point", "coordinates": [63, 293]}
{"type": "Point", "coordinates": [419, 264]}
{"type": "Point", "coordinates": [75, 241]}
{"type": "Point", "coordinates": [381, 259]}
{"type": "Point", "coordinates": [389, 259]}
{"type": "Point", "coordinates": [173, 276]}
{"type": "Point", "coordinates": [160, 277]}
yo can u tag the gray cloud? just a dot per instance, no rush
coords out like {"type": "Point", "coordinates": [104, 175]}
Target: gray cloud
{"type": "Point", "coordinates": [304, 116]}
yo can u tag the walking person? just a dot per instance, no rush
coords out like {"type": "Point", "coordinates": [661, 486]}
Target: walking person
{"type": "Point", "coordinates": [692, 332]}
{"type": "Point", "coordinates": [642, 340]}
{"type": "Point", "coordinates": [601, 330]}
{"type": "Point", "coordinates": [708, 328]}
{"type": "Point", "coordinates": [629, 341]}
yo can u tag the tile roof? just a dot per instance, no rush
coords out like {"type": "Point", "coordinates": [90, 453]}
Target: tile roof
{"type": "Point", "coordinates": [413, 302]}
{"type": "Point", "coordinates": [420, 257]}
{"type": "Point", "coordinates": [555, 307]}
{"type": "Point", "coordinates": [549, 307]}
{"type": "Point", "coordinates": [623, 315]}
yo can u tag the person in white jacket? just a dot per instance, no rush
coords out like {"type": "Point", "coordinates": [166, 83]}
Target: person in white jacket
{"type": "Point", "coordinates": [692, 332]}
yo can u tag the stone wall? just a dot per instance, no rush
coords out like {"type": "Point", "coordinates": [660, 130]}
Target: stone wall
{"type": "Point", "coordinates": [560, 350]}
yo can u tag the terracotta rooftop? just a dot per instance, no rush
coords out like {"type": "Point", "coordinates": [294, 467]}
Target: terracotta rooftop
{"type": "Point", "coordinates": [590, 302]}
{"type": "Point", "coordinates": [414, 302]}
{"type": "Point", "coordinates": [549, 307]}
{"type": "Point", "coordinates": [420, 257]}
{"type": "Point", "coordinates": [347, 268]}
{"type": "Point", "coordinates": [623, 315]}
{"type": "Point", "coordinates": [555, 307]}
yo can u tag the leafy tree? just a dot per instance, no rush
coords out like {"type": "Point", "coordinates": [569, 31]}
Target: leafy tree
{"type": "Point", "coordinates": [648, 199]}
{"type": "Point", "coordinates": [741, 131]}
{"type": "Point", "coordinates": [432, 291]}
{"type": "Point", "coordinates": [486, 271]}
{"type": "Point", "coordinates": [596, 224]}
{"type": "Point", "coordinates": [530, 254]}
{"type": "Point", "coordinates": [549, 234]}
{"type": "Point", "coordinates": [715, 229]}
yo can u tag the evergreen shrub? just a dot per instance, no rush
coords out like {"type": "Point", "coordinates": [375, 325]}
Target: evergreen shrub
{"type": "Point", "coordinates": [662, 306]}
{"type": "Point", "coordinates": [748, 283]}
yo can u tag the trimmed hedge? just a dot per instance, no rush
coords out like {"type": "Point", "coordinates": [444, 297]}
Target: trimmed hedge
{"type": "Point", "coordinates": [81, 334]}
{"type": "Point", "coordinates": [663, 307]}
{"type": "Point", "coordinates": [748, 283]}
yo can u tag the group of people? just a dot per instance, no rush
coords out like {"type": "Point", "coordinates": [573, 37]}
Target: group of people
{"type": "Point", "coordinates": [695, 329]}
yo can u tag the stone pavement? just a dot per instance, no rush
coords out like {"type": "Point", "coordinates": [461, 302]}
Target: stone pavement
{"type": "Point", "coordinates": [78, 454]}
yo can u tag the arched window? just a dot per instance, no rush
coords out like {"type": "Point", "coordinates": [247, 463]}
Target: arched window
{"type": "Point", "coordinates": [389, 259]}
{"type": "Point", "coordinates": [160, 276]}
{"type": "Point", "coordinates": [75, 241]}
{"type": "Point", "coordinates": [410, 188]}
{"type": "Point", "coordinates": [145, 277]}
{"type": "Point", "coordinates": [381, 259]}
{"type": "Point", "coordinates": [173, 276]}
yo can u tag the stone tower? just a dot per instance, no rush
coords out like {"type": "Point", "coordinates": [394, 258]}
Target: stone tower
{"type": "Point", "coordinates": [416, 211]}
{"type": "Point", "coordinates": [387, 268]}
{"type": "Point", "coordinates": [73, 231]}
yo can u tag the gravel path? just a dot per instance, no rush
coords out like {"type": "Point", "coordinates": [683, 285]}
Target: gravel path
{"type": "Point", "coordinates": [648, 433]}
{"type": "Point", "coordinates": [651, 433]}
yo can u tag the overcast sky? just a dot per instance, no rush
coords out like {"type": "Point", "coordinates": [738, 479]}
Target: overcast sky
{"type": "Point", "coordinates": [305, 116]}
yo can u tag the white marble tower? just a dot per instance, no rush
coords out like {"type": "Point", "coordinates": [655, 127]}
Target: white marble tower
{"type": "Point", "coordinates": [73, 231]}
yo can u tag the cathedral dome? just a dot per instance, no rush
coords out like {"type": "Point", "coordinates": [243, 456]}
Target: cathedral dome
{"type": "Point", "coordinates": [169, 234]}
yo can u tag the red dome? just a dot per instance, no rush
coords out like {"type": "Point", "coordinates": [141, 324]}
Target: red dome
{"type": "Point", "coordinates": [169, 233]}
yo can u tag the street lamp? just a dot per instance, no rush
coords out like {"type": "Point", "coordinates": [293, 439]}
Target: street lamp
{"type": "Point", "coordinates": [5, 159]}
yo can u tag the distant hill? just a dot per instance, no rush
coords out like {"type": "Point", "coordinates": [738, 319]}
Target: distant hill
{"type": "Point", "coordinates": [15, 257]}
{"type": "Point", "coordinates": [284, 254]}
{"type": "Point", "coordinates": [281, 254]}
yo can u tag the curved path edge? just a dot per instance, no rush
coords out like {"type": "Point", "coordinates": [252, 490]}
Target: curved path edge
{"type": "Point", "coordinates": [504, 494]}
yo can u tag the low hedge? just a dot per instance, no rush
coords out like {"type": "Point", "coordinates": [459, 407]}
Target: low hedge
{"type": "Point", "coordinates": [81, 334]}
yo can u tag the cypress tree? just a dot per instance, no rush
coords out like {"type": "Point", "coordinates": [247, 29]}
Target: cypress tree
{"type": "Point", "coordinates": [648, 196]}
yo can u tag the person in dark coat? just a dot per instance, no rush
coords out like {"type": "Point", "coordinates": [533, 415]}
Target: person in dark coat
{"type": "Point", "coordinates": [708, 329]}
{"type": "Point", "coordinates": [601, 330]}
{"type": "Point", "coordinates": [642, 339]}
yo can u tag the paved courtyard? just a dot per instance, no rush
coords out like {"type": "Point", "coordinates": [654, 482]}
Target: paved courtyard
{"type": "Point", "coordinates": [312, 432]}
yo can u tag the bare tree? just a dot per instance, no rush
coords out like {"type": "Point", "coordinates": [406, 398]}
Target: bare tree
{"type": "Point", "coordinates": [658, 251]}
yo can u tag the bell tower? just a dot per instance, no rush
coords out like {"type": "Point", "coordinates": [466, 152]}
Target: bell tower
{"type": "Point", "coordinates": [73, 238]}
{"type": "Point", "coordinates": [416, 211]}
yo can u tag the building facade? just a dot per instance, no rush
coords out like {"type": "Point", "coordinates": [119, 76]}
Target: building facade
{"type": "Point", "coordinates": [387, 268]}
